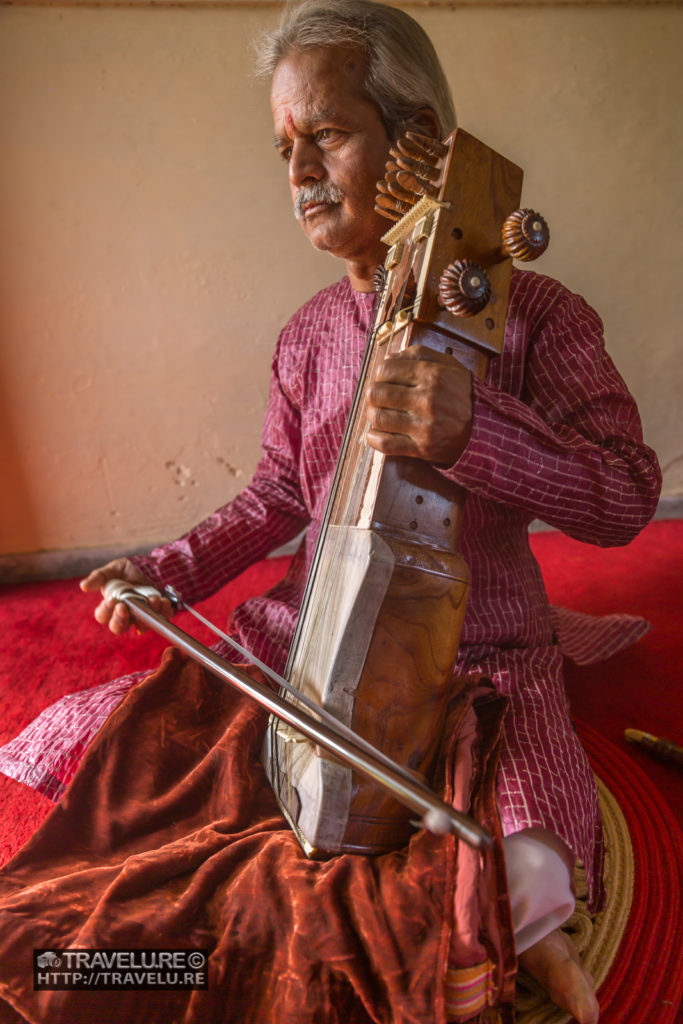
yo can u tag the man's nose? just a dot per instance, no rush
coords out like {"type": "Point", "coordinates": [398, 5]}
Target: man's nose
{"type": "Point", "coordinates": [305, 163]}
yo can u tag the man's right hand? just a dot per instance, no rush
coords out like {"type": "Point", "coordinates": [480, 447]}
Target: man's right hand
{"type": "Point", "coordinates": [115, 614]}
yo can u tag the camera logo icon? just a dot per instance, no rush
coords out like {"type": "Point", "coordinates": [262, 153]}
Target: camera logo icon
{"type": "Point", "coordinates": [48, 959]}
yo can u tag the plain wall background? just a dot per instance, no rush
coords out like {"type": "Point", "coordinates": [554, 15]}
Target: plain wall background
{"type": "Point", "coordinates": [149, 255]}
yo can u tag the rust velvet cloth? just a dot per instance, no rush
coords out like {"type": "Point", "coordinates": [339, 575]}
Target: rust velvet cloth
{"type": "Point", "coordinates": [169, 837]}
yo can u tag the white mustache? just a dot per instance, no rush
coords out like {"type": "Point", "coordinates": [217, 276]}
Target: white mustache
{"type": "Point", "coordinates": [318, 192]}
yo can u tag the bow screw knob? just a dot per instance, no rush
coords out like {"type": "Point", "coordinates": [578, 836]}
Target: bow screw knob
{"type": "Point", "coordinates": [525, 235]}
{"type": "Point", "coordinates": [464, 288]}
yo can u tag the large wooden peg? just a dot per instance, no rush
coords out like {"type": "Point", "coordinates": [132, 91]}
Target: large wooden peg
{"type": "Point", "coordinates": [464, 288]}
{"type": "Point", "coordinates": [525, 235]}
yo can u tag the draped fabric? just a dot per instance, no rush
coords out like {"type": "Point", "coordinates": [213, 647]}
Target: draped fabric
{"type": "Point", "coordinates": [170, 837]}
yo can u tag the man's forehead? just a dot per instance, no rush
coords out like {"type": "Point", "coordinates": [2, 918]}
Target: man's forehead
{"type": "Point", "coordinates": [316, 86]}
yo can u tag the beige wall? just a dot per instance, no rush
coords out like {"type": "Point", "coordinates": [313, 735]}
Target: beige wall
{"type": "Point", "coordinates": [148, 253]}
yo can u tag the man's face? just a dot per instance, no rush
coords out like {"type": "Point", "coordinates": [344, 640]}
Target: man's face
{"type": "Point", "coordinates": [335, 147]}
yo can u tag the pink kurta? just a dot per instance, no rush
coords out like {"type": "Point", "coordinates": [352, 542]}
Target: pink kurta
{"type": "Point", "coordinates": [556, 436]}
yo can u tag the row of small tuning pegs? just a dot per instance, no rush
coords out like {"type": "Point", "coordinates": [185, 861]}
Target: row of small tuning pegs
{"type": "Point", "coordinates": [415, 170]}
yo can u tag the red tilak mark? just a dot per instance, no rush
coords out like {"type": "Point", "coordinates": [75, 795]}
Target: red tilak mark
{"type": "Point", "coordinates": [289, 123]}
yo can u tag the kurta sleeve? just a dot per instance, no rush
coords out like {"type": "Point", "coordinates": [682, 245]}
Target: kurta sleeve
{"type": "Point", "coordinates": [268, 512]}
{"type": "Point", "coordinates": [568, 448]}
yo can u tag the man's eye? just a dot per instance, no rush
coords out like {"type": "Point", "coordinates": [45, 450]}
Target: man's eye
{"type": "Point", "coordinates": [325, 134]}
{"type": "Point", "coordinates": [286, 154]}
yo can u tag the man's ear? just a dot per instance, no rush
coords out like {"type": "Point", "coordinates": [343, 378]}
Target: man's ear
{"type": "Point", "coordinates": [426, 123]}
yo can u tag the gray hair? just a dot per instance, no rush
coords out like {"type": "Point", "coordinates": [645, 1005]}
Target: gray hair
{"type": "Point", "coordinates": [403, 73]}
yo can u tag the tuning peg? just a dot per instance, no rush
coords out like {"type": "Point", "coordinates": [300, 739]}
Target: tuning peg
{"type": "Point", "coordinates": [387, 206]}
{"type": "Point", "coordinates": [397, 189]}
{"type": "Point", "coordinates": [392, 201]}
{"type": "Point", "coordinates": [415, 168]}
{"type": "Point", "coordinates": [418, 186]}
{"type": "Point", "coordinates": [525, 235]}
{"type": "Point", "coordinates": [464, 288]}
{"type": "Point", "coordinates": [423, 147]}
{"type": "Point", "coordinates": [384, 211]}
{"type": "Point", "coordinates": [420, 175]}
{"type": "Point", "coordinates": [424, 166]}
{"type": "Point", "coordinates": [406, 150]}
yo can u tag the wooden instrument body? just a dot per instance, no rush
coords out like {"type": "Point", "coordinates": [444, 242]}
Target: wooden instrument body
{"type": "Point", "coordinates": [379, 629]}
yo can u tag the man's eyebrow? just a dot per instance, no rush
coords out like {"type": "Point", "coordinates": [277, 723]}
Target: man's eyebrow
{"type": "Point", "coordinates": [326, 115]}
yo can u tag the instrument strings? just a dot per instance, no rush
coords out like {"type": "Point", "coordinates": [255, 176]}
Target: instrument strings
{"type": "Point", "coordinates": [347, 483]}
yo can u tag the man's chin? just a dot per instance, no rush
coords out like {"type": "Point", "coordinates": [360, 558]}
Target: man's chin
{"type": "Point", "coordinates": [322, 246]}
{"type": "Point", "coordinates": [318, 237]}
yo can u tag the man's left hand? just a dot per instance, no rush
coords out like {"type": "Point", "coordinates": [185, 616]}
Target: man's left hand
{"type": "Point", "coordinates": [420, 404]}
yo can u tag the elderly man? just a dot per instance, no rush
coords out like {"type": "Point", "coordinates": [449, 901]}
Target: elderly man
{"type": "Point", "coordinates": [551, 432]}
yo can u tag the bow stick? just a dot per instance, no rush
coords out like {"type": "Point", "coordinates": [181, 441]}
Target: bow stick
{"type": "Point", "coordinates": [331, 735]}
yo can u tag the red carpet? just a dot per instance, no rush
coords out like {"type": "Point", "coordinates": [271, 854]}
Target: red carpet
{"type": "Point", "coordinates": [52, 646]}
{"type": "Point", "coordinates": [645, 983]}
{"type": "Point", "coordinates": [641, 687]}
